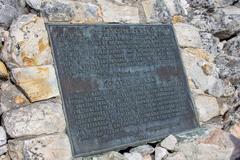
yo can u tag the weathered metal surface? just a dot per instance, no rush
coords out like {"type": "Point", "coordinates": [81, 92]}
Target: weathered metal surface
{"type": "Point", "coordinates": [121, 85]}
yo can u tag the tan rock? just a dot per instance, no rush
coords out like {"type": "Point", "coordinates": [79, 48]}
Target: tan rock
{"type": "Point", "coordinates": [116, 13]}
{"type": "Point", "coordinates": [200, 53]}
{"type": "Point", "coordinates": [178, 19]}
{"type": "Point", "coordinates": [3, 71]}
{"type": "Point", "coordinates": [207, 107]}
{"type": "Point", "coordinates": [30, 45]}
{"type": "Point", "coordinates": [50, 147]}
{"type": "Point", "coordinates": [71, 11]}
{"type": "Point", "coordinates": [235, 130]}
{"type": "Point", "coordinates": [38, 82]}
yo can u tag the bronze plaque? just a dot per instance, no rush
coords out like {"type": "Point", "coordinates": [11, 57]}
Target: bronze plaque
{"type": "Point", "coordinates": [121, 85]}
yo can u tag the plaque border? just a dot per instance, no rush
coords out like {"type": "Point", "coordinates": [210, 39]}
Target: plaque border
{"type": "Point", "coordinates": [141, 142]}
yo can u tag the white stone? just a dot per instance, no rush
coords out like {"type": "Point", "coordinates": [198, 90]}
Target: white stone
{"type": "Point", "coordinates": [207, 107]}
{"type": "Point", "coordinates": [3, 149]}
{"type": "Point", "coordinates": [116, 13]}
{"type": "Point", "coordinates": [30, 45]}
{"type": "Point", "coordinates": [35, 119]}
{"type": "Point", "coordinates": [169, 143]}
{"type": "Point", "coordinates": [35, 4]}
{"type": "Point", "coordinates": [187, 35]}
{"type": "Point", "coordinates": [38, 82]}
{"type": "Point", "coordinates": [143, 150]}
{"type": "Point", "coordinates": [160, 153]}
{"type": "Point", "coordinates": [50, 147]}
{"type": "Point", "coordinates": [177, 156]}
{"type": "Point", "coordinates": [3, 136]}
{"type": "Point", "coordinates": [133, 156]}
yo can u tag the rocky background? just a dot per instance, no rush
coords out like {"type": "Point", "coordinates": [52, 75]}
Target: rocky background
{"type": "Point", "coordinates": [33, 126]}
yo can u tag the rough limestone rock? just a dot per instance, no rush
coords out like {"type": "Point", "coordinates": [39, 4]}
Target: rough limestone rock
{"type": "Point", "coordinates": [223, 24]}
{"type": "Point", "coordinates": [35, 119]}
{"type": "Point", "coordinates": [206, 111]}
{"type": "Point", "coordinates": [143, 150]}
{"type": "Point", "coordinates": [38, 82]}
{"type": "Point", "coordinates": [3, 149]}
{"type": "Point", "coordinates": [50, 147]}
{"type": "Point", "coordinates": [3, 71]}
{"type": "Point", "coordinates": [232, 47]}
{"type": "Point", "coordinates": [11, 97]}
{"type": "Point", "coordinates": [223, 3]}
{"type": "Point", "coordinates": [118, 13]}
{"type": "Point", "coordinates": [3, 136]}
{"type": "Point", "coordinates": [176, 156]}
{"type": "Point", "coordinates": [229, 67]}
{"type": "Point", "coordinates": [207, 23]}
{"type": "Point", "coordinates": [211, 44]}
{"type": "Point", "coordinates": [9, 10]}
{"type": "Point", "coordinates": [156, 11]}
{"type": "Point", "coordinates": [160, 153]}
{"type": "Point", "coordinates": [235, 130]}
{"type": "Point", "coordinates": [204, 74]}
{"type": "Point", "coordinates": [105, 156]}
{"type": "Point", "coordinates": [30, 45]}
{"type": "Point", "coordinates": [201, 3]}
{"type": "Point", "coordinates": [217, 145]}
{"type": "Point", "coordinates": [187, 35]}
{"type": "Point", "coordinates": [169, 143]}
{"type": "Point", "coordinates": [133, 156]}
{"type": "Point", "coordinates": [70, 11]}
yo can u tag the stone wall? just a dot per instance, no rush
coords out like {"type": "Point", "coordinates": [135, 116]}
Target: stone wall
{"type": "Point", "coordinates": [33, 126]}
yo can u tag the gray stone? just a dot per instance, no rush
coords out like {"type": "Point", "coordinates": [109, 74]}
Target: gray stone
{"type": "Point", "coordinates": [163, 10]}
{"type": "Point", "coordinates": [211, 44]}
{"type": "Point", "coordinates": [156, 11]}
{"type": "Point", "coordinates": [232, 47]}
{"type": "Point", "coordinates": [133, 156]}
{"type": "Point", "coordinates": [229, 67]}
{"type": "Point", "coordinates": [160, 153]}
{"type": "Point", "coordinates": [3, 136]}
{"type": "Point", "coordinates": [143, 150]}
{"type": "Point", "coordinates": [223, 3]}
{"type": "Point", "coordinates": [201, 3]}
{"type": "Point", "coordinates": [207, 23]}
{"type": "Point", "coordinates": [9, 10]}
{"type": "Point", "coordinates": [35, 119]}
{"type": "Point", "coordinates": [187, 35]}
{"type": "Point", "coordinates": [11, 97]}
{"type": "Point", "coordinates": [50, 147]}
{"type": "Point", "coordinates": [169, 143]}
{"type": "Point", "coordinates": [71, 11]}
